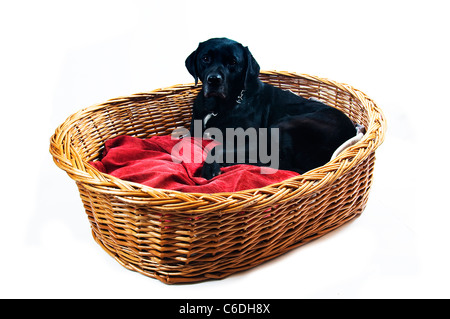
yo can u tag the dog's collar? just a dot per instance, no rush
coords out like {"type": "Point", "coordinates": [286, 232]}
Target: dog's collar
{"type": "Point", "coordinates": [240, 97]}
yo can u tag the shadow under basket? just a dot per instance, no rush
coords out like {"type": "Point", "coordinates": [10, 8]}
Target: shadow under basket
{"type": "Point", "coordinates": [189, 237]}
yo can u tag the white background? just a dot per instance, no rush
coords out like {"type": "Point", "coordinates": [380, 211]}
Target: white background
{"type": "Point", "coordinates": [57, 57]}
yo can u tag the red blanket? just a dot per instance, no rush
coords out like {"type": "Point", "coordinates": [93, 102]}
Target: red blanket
{"type": "Point", "coordinates": [151, 162]}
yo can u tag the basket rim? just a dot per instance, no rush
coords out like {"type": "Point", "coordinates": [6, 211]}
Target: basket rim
{"type": "Point", "coordinates": [131, 192]}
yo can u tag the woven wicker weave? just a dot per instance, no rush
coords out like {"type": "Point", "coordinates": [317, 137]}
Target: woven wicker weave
{"type": "Point", "coordinates": [185, 237]}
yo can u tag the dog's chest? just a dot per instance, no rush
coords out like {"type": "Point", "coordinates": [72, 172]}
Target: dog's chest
{"type": "Point", "coordinates": [238, 117]}
{"type": "Point", "coordinates": [207, 118]}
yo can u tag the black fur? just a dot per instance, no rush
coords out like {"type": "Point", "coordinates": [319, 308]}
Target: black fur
{"type": "Point", "coordinates": [310, 131]}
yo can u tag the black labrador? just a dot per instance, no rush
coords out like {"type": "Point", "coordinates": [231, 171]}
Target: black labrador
{"type": "Point", "coordinates": [233, 96]}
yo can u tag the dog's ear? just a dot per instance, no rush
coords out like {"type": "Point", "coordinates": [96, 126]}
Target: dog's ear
{"type": "Point", "coordinates": [251, 75]}
{"type": "Point", "coordinates": [191, 65]}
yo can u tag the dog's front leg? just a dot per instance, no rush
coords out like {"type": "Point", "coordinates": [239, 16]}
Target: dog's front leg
{"type": "Point", "coordinates": [217, 158]}
{"type": "Point", "coordinates": [213, 162]}
{"type": "Point", "coordinates": [221, 156]}
{"type": "Point", "coordinates": [211, 170]}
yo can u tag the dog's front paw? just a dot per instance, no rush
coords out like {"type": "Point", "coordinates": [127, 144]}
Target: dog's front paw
{"type": "Point", "coordinates": [210, 170]}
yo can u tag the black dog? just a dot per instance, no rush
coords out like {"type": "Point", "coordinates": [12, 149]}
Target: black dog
{"type": "Point", "coordinates": [232, 96]}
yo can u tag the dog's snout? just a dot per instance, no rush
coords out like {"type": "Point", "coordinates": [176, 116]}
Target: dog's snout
{"type": "Point", "coordinates": [214, 79]}
{"type": "Point", "coordinates": [216, 85]}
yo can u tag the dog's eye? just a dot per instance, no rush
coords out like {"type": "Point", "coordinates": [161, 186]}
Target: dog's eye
{"type": "Point", "coordinates": [232, 62]}
{"type": "Point", "coordinates": [206, 59]}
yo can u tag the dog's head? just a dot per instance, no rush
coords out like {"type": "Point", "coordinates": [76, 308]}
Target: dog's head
{"type": "Point", "coordinates": [224, 66]}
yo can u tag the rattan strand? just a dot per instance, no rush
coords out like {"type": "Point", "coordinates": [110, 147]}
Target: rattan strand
{"type": "Point", "coordinates": [188, 237]}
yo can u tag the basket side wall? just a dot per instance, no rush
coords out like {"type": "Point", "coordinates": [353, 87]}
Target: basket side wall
{"type": "Point", "coordinates": [186, 248]}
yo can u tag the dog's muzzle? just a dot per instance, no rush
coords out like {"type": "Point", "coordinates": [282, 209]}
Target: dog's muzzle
{"type": "Point", "coordinates": [215, 86]}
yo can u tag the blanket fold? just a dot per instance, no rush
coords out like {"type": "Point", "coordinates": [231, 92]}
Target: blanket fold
{"type": "Point", "coordinates": [175, 164]}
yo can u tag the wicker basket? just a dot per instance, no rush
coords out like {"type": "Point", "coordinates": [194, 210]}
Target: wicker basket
{"type": "Point", "coordinates": [186, 237]}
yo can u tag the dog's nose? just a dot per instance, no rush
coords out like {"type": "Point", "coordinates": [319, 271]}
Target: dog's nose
{"type": "Point", "coordinates": [214, 79]}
